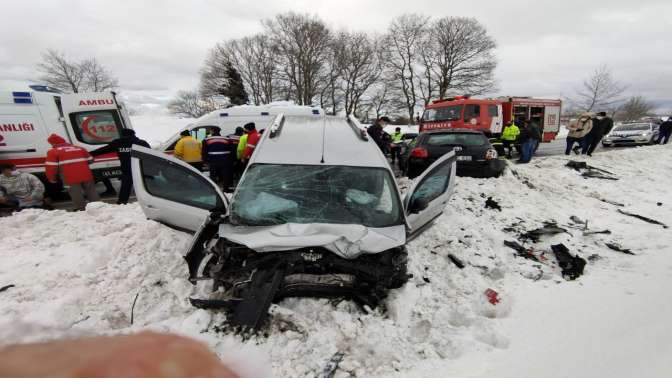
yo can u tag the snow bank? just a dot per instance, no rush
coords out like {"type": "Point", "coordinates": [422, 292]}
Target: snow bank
{"type": "Point", "coordinates": [78, 273]}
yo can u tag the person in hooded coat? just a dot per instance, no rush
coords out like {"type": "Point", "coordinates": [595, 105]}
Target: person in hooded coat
{"type": "Point", "coordinates": [122, 146]}
{"type": "Point", "coordinates": [578, 129]}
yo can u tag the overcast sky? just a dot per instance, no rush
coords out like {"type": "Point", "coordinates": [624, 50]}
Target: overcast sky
{"type": "Point", "coordinates": [545, 48]}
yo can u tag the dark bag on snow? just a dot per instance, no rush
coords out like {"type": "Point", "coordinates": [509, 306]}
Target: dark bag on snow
{"type": "Point", "coordinates": [572, 266]}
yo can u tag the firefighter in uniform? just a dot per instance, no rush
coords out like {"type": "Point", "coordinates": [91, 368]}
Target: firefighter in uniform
{"type": "Point", "coordinates": [253, 137]}
{"type": "Point", "coordinates": [72, 163]}
{"type": "Point", "coordinates": [188, 149]}
{"type": "Point", "coordinates": [218, 152]}
{"type": "Point", "coordinates": [122, 147]}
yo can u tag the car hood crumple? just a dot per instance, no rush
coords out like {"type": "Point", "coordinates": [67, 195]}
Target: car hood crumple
{"type": "Point", "coordinates": [346, 240]}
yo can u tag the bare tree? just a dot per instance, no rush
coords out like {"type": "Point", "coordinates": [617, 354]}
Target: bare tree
{"type": "Point", "coordinates": [59, 73]}
{"type": "Point", "coordinates": [403, 39]}
{"type": "Point", "coordinates": [464, 60]}
{"type": "Point", "coordinates": [190, 104]}
{"type": "Point", "coordinates": [360, 66]}
{"type": "Point", "coordinates": [96, 77]}
{"type": "Point", "coordinates": [599, 91]}
{"type": "Point", "coordinates": [379, 100]}
{"type": "Point", "coordinates": [71, 76]}
{"type": "Point", "coordinates": [301, 43]}
{"type": "Point", "coordinates": [635, 108]}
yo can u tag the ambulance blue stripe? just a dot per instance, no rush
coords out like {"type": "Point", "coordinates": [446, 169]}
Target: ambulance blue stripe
{"type": "Point", "coordinates": [21, 94]}
{"type": "Point", "coordinates": [19, 100]}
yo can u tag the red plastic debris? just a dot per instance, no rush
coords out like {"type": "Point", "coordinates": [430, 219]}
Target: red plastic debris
{"type": "Point", "coordinates": [493, 296]}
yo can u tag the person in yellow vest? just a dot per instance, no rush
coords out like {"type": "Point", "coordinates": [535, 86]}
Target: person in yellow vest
{"type": "Point", "coordinates": [188, 149]}
{"type": "Point", "coordinates": [510, 136]}
{"type": "Point", "coordinates": [395, 150]}
{"type": "Point", "coordinates": [242, 145]}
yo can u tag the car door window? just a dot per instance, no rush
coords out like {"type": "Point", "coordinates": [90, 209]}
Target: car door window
{"type": "Point", "coordinates": [433, 185]}
{"type": "Point", "coordinates": [492, 111]}
{"type": "Point", "coordinates": [167, 180]}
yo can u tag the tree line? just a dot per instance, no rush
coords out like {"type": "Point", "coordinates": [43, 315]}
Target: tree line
{"type": "Point", "coordinates": [299, 58]}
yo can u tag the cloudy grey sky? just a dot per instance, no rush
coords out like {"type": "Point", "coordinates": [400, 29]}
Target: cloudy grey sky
{"type": "Point", "coordinates": [545, 48]}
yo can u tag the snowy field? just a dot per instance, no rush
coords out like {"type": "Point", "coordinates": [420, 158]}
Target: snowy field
{"type": "Point", "coordinates": [78, 273]}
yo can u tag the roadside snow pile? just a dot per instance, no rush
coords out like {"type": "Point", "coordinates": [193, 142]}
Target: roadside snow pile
{"type": "Point", "coordinates": [78, 273]}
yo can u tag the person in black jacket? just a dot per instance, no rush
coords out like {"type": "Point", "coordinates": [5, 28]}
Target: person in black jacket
{"type": "Point", "coordinates": [122, 146]}
{"type": "Point", "coordinates": [664, 131]}
{"type": "Point", "coordinates": [220, 154]}
{"type": "Point", "coordinates": [376, 132]}
{"type": "Point", "coordinates": [602, 125]}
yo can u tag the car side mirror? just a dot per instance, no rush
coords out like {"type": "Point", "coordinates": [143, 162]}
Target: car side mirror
{"type": "Point", "coordinates": [417, 205]}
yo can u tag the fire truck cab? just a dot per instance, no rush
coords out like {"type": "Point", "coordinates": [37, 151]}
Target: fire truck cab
{"type": "Point", "coordinates": [88, 120]}
{"type": "Point", "coordinates": [490, 115]}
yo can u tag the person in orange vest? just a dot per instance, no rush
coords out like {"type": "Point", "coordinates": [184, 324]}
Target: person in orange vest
{"type": "Point", "coordinates": [253, 137]}
{"type": "Point", "coordinates": [72, 164]}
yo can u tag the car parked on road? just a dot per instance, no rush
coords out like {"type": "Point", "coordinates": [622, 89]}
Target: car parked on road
{"type": "Point", "coordinates": [476, 157]}
{"type": "Point", "coordinates": [317, 213]}
{"type": "Point", "coordinates": [632, 134]}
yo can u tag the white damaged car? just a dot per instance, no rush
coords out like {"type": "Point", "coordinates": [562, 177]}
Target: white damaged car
{"type": "Point", "coordinates": [316, 213]}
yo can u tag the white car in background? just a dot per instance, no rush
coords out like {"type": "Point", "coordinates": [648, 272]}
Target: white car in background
{"type": "Point", "coordinates": [316, 213]}
{"type": "Point", "coordinates": [632, 134]}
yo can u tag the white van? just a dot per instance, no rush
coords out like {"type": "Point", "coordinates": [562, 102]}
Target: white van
{"type": "Point", "coordinates": [226, 120]}
{"type": "Point", "coordinates": [88, 120]}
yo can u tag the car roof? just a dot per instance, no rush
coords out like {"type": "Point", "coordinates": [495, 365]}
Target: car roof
{"type": "Point", "coordinates": [327, 140]}
{"type": "Point", "coordinates": [453, 131]}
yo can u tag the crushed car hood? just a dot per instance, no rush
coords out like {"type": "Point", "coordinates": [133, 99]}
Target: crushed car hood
{"type": "Point", "coordinates": [345, 240]}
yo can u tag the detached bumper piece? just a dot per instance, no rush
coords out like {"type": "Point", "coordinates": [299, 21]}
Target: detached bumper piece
{"type": "Point", "coordinates": [247, 282]}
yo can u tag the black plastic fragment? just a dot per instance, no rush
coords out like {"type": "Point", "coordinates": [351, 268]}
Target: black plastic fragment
{"type": "Point", "coordinates": [458, 263]}
{"type": "Point", "coordinates": [253, 309]}
{"type": "Point", "coordinates": [572, 266]}
{"type": "Point", "coordinates": [213, 304]}
{"type": "Point", "coordinates": [549, 228]}
{"type": "Point", "coordinates": [641, 217]}
{"type": "Point", "coordinates": [6, 287]}
{"type": "Point", "coordinates": [522, 251]}
{"type": "Point", "coordinates": [492, 204]}
{"type": "Point", "coordinates": [618, 248]}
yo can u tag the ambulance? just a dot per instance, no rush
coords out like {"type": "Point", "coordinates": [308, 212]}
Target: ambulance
{"type": "Point", "coordinates": [490, 115]}
{"type": "Point", "coordinates": [228, 119]}
{"type": "Point", "coordinates": [89, 120]}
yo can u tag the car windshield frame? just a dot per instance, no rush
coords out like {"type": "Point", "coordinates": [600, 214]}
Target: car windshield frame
{"type": "Point", "coordinates": [633, 127]}
{"type": "Point", "coordinates": [442, 113]}
{"type": "Point", "coordinates": [475, 135]}
{"type": "Point", "coordinates": [276, 194]}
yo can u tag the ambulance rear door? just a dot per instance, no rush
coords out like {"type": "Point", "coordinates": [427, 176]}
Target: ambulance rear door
{"type": "Point", "coordinates": [94, 120]}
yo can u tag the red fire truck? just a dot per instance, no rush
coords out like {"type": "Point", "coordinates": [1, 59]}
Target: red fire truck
{"type": "Point", "coordinates": [490, 115]}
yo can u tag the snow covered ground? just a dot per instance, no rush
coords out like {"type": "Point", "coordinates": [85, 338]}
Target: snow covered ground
{"type": "Point", "coordinates": [156, 127]}
{"type": "Point", "coordinates": [78, 274]}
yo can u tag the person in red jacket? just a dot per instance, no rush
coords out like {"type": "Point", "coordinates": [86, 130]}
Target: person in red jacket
{"type": "Point", "coordinates": [72, 163]}
{"type": "Point", "coordinates": [253, 137]}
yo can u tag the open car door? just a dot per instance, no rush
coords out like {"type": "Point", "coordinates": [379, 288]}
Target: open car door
{"type": "Point", "coordinates": [429, 194]}
{"type": "Point", "coordinates": [173, 192]}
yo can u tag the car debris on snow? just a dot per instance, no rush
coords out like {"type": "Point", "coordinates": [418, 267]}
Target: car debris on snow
{"type": "Point", "coordinates": [572, 266]}
{"type": "Point", "coordinates": [492, 204]}
{"type": "Point", "coordinates": [332, 365]}
{"type": "Point", "coordinates": [641, 217]}
{"type": "Point", "coordinates": [548, 228]}
{"type": "Point", "coordinates": [458, 263]}
{"type": "Point", "coordinates": [6, 287]}
{"type": "Point", "coordinates": [618, 248]}
{"type": "Point", "coordinates": [590, 171]}
{"type": "Point", "coordinates": [522, 251]}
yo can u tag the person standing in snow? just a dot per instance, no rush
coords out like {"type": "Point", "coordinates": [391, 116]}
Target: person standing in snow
{"type": "Point", "coordinates": [602, 125]}
{"type": "Point", "coordinates": [218, 152]}
{"type": "Point", "coordinates": [395, 150]}
{"type": "Point", "coordinates": [376, 132]}
{"type": "Point", "coordinates": [528, 141]}
{"type": "Point", "coordinates": [20, 188]}
{"type": "Point", "coordinates": [664, 131]}
{"type": "Point", "coordinates": [188, 149]}
{"type": "Point", "coordinates": [578, 129]}
{"type": "Point", "coordinates": [509, 137]}
{"type": "Point", "coordinates": [72, 164]}
{"type": "Point", "coordinates": [122, 146]}
{"type": "Point", "coordinates": [251, 141]}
